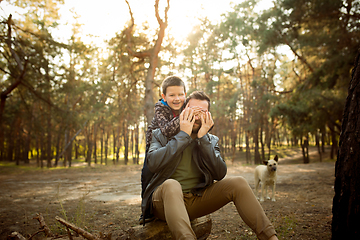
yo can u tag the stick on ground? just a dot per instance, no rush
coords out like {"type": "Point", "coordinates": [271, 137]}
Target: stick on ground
{"type": "Point", "coordinates": [76, 229]}
{"type": "Point", "coordinates": [43, 225]}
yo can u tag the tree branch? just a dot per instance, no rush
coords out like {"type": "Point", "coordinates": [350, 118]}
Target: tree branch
{"type": "Point", "coordinates": [162, 24]}
{"type": "Point", "coordinates": [76, 229]}
{"type": "Point", "coordinates": [8, 42]}
{"type": "Point", "coordinates": [161, 34]}
{"type": "Point", "coordinates": [43, 225]}
{"type": "Point", "coordinates": [302, 59]}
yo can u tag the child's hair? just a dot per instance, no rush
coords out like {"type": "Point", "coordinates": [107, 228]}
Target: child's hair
{"type": "Point", "coordinates": [172, 81]}
{"type": "Point", "coordinates": [199, 95]}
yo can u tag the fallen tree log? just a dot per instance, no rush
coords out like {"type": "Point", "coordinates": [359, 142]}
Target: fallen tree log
{"type": "Point", "coordinates": [158, 230]}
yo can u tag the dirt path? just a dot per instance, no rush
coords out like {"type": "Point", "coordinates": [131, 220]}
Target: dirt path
{"type": "Point", "coordinates": [107, 199]}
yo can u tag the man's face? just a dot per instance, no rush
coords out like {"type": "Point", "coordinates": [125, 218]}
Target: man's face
{"type": "Point", "coordinates": [203, 105]}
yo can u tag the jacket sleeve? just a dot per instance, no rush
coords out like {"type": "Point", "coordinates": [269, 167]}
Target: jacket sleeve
{"type": "Point", "coordinates": [168, 124]}
{"type": "Point", "coordinates": [162, 152]}
{"type": "Point", "coordinates": [211, 156]}
{"type": "Point", "coordinates": [169, 129]}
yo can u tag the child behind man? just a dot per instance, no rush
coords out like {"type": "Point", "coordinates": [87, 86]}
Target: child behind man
{"type": "Point", "coordinates": [167, 111]}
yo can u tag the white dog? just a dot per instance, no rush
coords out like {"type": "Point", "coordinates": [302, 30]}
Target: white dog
{"type": "Point", "coordinates": [266, 175]}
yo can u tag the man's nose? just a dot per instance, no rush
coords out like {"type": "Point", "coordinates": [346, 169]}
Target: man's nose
{"type": "Point", "coordinates": [197, 117]}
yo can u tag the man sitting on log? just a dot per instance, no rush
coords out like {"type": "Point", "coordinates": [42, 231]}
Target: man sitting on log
{"type": "Point", "coordinates": [188, 180]}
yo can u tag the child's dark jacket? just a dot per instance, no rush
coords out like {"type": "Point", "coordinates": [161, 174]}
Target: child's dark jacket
{"type": "Point", "coordinates": [165, 120]}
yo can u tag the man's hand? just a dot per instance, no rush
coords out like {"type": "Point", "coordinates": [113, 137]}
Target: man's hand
{"type": "Point", "coordinates": [206, 123]}
{"type": "Point", "coordinates": [187, 119]}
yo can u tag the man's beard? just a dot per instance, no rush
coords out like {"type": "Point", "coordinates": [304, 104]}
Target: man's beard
{"type": "Point", "coordinates": [197, 129]}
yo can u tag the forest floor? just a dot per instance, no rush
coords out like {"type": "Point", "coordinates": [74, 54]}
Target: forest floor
{"type": "Point", "coordinates": [107, 199]}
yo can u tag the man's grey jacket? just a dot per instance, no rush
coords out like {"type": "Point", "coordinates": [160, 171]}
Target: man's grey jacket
{"type": "Point", "coordinates": [165, 154]}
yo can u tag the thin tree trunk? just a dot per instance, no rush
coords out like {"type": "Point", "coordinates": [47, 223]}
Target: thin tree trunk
{"type": "Point", "coordinates": [114, 145]}
{"type": "Point", "coordinates": [58, 144]}
{"type": "Point", "coordinates": [257, 159]}
{"type": "Point", "coordinates": [69, 151]}
{"type": "Point", "coordinates": [262, 141]}
{"type": "Point", "coordinates": [89, 144]}
{"type": "Point", "coordinates": [42, 149]}
{"type": "Point", "coordinates": [27, 142]}
{"type": "Point", "coordinates": [334, 144]}
{"type": "Point", "coordinates": [106, 147]}
{"type": "Point", "coordinates": [95, 144]}
{"type": "Point", "coordinates": [317, 137]}
{"type": "Point", "coordinates": [66, 155]}
{"type": "Point", "coordinates": [37, 143]}
{"type": "Point", "coordinates": [49, 138]}
{"type": "Point", "coordinates": [126, 143]}
{"type": "Point", "coordinates": [323, 133]}
{"type": "Point", "coordinates": [48, 115]}
{"type": "Point", "coordinates": [102, 145]}
{"type": "Point", "coordinates": [137, 151]}
{"type": "Point", "coordinates": [305, 150]}
{"type": "Point", "coordinates": [248, 153]}
{"type": "Point", "coordinates": [17, 145]}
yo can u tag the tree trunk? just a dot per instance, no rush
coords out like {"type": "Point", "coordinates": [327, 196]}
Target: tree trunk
{"type": "Point", "coordinates": [333, 140]}
{"type": "Point", "coordinates": [102, 145]}
{"type": "Point", "coordinates": [152, 55]}
{"type": "Point", "coordinates": [27, 140]}
{"type": "Point", "coordinates": [233, 139]}
{"type": "Point", "coordinates": [126, 142]}
{"type": "Point", "coordinates": [42, 149]}
{"type": "Point", "coordinates": [119, 145]}
{"type": "Point", "coordinates": [49, 153]}
{"type": "Point", "coordinates": [69, 151]}
{"type": "Point", "coordinates": [158, 230]}
{"type": "Point", "coordinates": [317, 137]}
{"type": "Point", "coordinates": [114, 145]}
{"type": "Point", "coordinates": [262, 141]}
{"type": "Point", "coordinates": [49, 140]}
{"type": "Point", "coordinates": [132, 146]}
{"type": "Point", "coordinates": [65, 141]}
{"type": "Point", "coordinates": [248, 153]}
{"type": "Point", "coordinates": [334, 145]}
{"type": "Point", "coordinates": [323, 133]}
{"type": "Point", "coordinates": [136, 142]}
{"type": "Point", "coordinates": [346, 202]}
{"type": "Point", "coordinates": [257, 158]}
{"type": "Point", "coordinates": [58, 144]}
{"type": "Point", "coordinates": [106, 147]}
{"type": "Point", "coordinates": [17, 146]}
{"type": "Point", "coordinates": [89, 145]}
{"type": "Point", "coordinates": [37, 150]}
{"type": "Point", "coordinates": [95, 145]}
{"type": "Point", "coordinates": [77, 154]}
{"type": "Point", "coordinates": [305, 150]}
